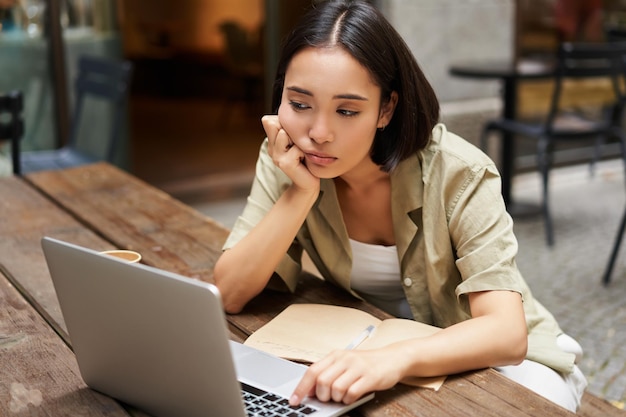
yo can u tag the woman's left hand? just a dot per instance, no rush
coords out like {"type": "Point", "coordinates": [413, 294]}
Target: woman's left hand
{"type": "Point", "coordinates": [347, 375]}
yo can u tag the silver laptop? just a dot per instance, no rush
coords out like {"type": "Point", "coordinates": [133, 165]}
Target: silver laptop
{"type": "Point", "coordinates": [159, 342]}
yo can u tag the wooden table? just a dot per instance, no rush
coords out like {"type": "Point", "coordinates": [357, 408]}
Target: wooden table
{"type": "Point", "coordinates": [101, 207]}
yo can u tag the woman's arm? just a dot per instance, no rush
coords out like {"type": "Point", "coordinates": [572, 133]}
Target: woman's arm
{"type": "Point", "coordinates": [244, 270]}
{"type": "Point", "coordinates": [495, 335]}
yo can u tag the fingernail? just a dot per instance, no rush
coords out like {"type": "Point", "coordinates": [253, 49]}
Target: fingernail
{"type": "Point", "coordinates": [294, 400]}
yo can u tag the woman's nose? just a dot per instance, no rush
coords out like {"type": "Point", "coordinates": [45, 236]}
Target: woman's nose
{"type": "Point", "coordinates": [321, 130]}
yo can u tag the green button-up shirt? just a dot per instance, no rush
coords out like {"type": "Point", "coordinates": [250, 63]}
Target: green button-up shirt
{"type": "Point", "coordinates": [453, 235]}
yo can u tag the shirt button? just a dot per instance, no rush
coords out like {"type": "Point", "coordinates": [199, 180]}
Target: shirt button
{"type": "Point", "coordinates": [408, 281]}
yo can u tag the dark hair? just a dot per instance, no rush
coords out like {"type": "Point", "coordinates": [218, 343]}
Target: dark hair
{"type": "Point", "coordinates": [361, 30]}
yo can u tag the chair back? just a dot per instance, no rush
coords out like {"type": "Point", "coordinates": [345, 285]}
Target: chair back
{"type": "Point", "coordinates": [615, 34]}
{"type": "Point", "coordinates": [577, 61]}
{"type": "Point", "coordinates": [239, 50]}
{"type": "Point", "coordinates": [12, 104]}
{"type": "Point", "coordinates": [106, 79]}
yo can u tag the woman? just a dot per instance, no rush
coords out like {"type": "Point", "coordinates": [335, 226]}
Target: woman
{"type": "Point", "coordinates": [390, 206]}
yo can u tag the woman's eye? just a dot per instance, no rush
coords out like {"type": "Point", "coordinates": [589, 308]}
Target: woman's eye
{"type": "Point", "coordinates": [347, 113]}
{"type": "Point", "coordinates": [298, 106]}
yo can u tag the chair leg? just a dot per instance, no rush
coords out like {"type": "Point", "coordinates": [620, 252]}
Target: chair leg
{"type": "Point", "coordinates": [618, 241]}
{"type": "Point", "coordinates": [15, 154]}
{"type": "Point", "coordinates": [606, 278]}
{"type": "Point", "coordinates": [543, 156]}
{"type": "Point", "coordinates": [622, 143]}
{"type": "Point", "coordinates": [597, 154]}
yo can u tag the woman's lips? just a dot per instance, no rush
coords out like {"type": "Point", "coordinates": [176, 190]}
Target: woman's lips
{"type": "Point", "coordinates": [319, 159]}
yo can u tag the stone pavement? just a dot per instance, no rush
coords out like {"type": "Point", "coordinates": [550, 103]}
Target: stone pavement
{"type": "Point", "coordinates": [567, 277]}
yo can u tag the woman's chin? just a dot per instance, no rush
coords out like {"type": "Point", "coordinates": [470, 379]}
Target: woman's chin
{"type": "Point", "coordinates": [323, 172]}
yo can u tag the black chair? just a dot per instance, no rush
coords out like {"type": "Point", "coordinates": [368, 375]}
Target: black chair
{"type": "Point", "coordinates": [575, 62]}
{"type": "Point", "coordinates": [100, 78]}
{"type": "Point", "coordinates": [12, 104]}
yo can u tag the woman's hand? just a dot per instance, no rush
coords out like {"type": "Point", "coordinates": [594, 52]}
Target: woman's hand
{"type": "Point", "coordinates": [347, 375]}
{"type": "Point", "coordinates": [287, 156]}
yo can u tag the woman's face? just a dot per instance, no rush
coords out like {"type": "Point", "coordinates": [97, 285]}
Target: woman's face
{"type": "Point", "coordinates": [331, 108]}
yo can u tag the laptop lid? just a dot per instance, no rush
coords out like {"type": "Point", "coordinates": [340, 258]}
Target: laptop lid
{"type": "Point", "coordinates": [146, 337]}
{"type": "Point", "coordinates": [159, 341]}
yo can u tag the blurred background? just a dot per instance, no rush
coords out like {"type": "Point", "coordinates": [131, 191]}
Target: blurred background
{"type": "Point", "coordinates": [203, 71]}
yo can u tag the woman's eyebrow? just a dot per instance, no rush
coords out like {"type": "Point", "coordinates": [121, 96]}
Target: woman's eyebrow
{"type": "Point", "coordinates": [300, 91]}
{"type": "Point", "coordinates": [350, 97]}
{"type": "Point", "coordinates": [346, 96]}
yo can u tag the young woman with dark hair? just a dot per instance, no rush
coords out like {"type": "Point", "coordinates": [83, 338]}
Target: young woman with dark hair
{"type": "Point", "coordinates": [389, 205]}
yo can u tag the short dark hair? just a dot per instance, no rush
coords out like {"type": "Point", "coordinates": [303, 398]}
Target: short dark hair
{"type": "Point", "coordinates": [361, 30]}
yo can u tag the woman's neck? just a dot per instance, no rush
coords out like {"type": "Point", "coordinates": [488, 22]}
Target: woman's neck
{"type": "Point", "coordinates": [365, 203]}
{"type": "Point", "coordinates": [362, 179]}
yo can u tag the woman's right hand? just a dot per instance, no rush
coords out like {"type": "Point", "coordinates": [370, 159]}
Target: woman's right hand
{"type": "Point", "coordinates": [287, 156]}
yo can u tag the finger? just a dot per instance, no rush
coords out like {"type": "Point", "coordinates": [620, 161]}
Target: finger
{"type": "Point", "coordinates": [305, 388]}
{"type": "Point", "coordinates": [348, 388]}
{"type": "Point", "coordinates": [310, 380]}
{"type": "Point", "coordinates": [271, 125]}
{"type": "Point", "coordinates": [325, 386]}
{"type": "Point", "coordinates": [340, 386]}
{"type": "Point", "coordinates": [283, 141]}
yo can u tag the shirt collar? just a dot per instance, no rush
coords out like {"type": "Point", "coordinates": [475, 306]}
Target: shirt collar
{"type": "Point", "coordinates": [407, 197]}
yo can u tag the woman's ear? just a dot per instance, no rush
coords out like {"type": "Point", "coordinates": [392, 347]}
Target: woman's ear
{"type": "Point", "coordinates": [387, 109]}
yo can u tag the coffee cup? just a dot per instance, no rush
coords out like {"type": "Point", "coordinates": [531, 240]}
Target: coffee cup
{"type": "Point", "coordinates": [129, 256]}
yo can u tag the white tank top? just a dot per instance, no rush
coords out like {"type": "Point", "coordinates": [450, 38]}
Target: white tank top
{"type": "Point", "coordinates": [375, 276]}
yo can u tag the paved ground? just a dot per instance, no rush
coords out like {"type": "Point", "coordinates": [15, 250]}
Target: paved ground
{"type": "Point", "coordinates": [567, 277]}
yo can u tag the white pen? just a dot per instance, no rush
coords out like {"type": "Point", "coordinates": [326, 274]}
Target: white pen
{"type": "Point", "coordinates": [361, 337]}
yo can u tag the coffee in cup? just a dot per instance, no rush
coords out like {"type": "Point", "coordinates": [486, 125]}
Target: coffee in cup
{"type": "Point", "coordinates": [129, 256]}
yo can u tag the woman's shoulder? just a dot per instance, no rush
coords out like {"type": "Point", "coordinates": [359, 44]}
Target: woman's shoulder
{"type": "Point", "coordinates": [450, 144]}
{"type": "Point", "coordinates": [452, 152]}
{"type": "Point", "coordinates": [449, 160]}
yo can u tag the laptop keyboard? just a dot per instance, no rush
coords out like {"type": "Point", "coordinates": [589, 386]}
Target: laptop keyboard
{"type": "Point", "coordinates": [261, 403]}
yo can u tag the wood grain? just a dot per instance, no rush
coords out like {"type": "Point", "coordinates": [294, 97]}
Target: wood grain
{"type": "Point", "coordinates": [26, 217]}
{"type": "Point", "coordinates": [133, 215]}
{"type": "Point", "coordinates": [40, 376]}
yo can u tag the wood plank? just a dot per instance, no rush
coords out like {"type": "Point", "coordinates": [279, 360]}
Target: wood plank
{"type": "Point", "coordinates": [593, 406]}
{"type": "Point", "coordinates": [479, 393]}
{"type": "Point", "coordinates": [39, 372]}
{"type": "Point", "coordinates": [26, 217]}
{"type": "Point", "coordinates": [133, 215]}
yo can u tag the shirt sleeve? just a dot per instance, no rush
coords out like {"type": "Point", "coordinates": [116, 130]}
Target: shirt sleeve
{"type": "Point", "coordinates": [268, 185]}
{"type": "Point", "coordinates": [482, 233]}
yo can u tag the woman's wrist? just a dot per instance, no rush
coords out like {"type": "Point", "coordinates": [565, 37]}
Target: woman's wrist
{"type": "Point", "coordinates": [296, 194]}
